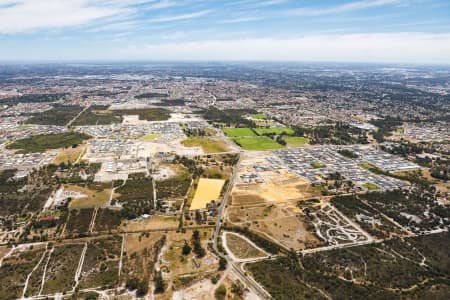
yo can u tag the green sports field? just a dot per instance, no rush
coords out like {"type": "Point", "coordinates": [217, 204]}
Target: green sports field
{"type": "Point", "coordinates": [296, 140]}
{"type": "Point", "coordinates": [258, 116]}
{"type": "Point", "coordinates": [238, 132]}
{"type": "Point", "coordinates": [274, 130]}
{"type": "Point", "coordinates": [257, 143]}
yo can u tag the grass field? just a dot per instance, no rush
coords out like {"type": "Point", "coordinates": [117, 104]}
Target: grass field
{"type": "Point", "coordinates": [296, 140]}
{"type": "Point", "coordinates": [370, 186]}
{"type": "Point", "coordinates": [317, 165]}
{"type": "Point", "coordinates": [208, 145]}
{"type": "Point", "coordinates": [207, 191]}
{"type": "Point", "coordinates": [41, 143]}
{"type": "Point", "coordinates": [257, 143]}
{"type": "Point", "coordinates": [150, 137]}
{"type": "Point", "coordinates": [258, 116]}
{"type": "Point", "coordinates": [238, 132]}
{"type": "Point", "coordinates": [274, 130]}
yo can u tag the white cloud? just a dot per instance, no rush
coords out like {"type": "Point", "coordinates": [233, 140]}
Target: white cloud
{"type": "Point", "coordinates": [347, 7]}
{"type": "Point", "coordinates": [181, 17]}
{"type": "Point", "coordinates": [377, 47]}
{"type": "Point", "coordinates": [30, 15]}
{"type": "Point", "coordinates": [240, 20]}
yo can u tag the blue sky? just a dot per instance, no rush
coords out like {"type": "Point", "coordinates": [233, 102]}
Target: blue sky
{"type": "Point", "coordinates": [413, 31]}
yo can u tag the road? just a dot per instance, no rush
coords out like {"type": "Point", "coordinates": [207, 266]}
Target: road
{"type": "Point", "coordinates": [248, 281]}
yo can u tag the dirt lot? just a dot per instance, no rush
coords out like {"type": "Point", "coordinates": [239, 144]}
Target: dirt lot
{"type": "Point", "coordinates": [277, 221]}
{"type": "Point", "coordinates": [241, 248]}
{"type": "Point", "coordinates": [208, 190]}
{"type": "Point", "coordinates": [154, 222]}
{"type": "Point", "coordinates": [180, 271]}
{"type": "Point", "coordinates": [69, 154]}
{"type": "Point", "coordinates": [94, 197]}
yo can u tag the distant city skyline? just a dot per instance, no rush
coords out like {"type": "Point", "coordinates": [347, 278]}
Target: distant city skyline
{"type": "Point", "coordinates": [376, 31]}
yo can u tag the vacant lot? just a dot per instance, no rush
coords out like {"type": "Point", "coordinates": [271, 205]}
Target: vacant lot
{"type": "Point", "coordinates": [61, 268]}
{"type": "Point", "coordinates": [241, 248]}
{"type": "Point", "coordinates": [208, 145]}
{"type": "Point", "coordinates": [70, 154]}
{"type": "Point", "coordinates": [238, 132]}
{"type": "Point", "coordinates": [94, 197]}
{"type": "Point", "coordinates": [208, 190]}
{"type": "Point", "coordinates": [41, 143]}
{"type": "Point", "coordinates": [14, 271]}
{"type": "Point", "coordinates": [274, 130]}
{"type": "Point", "coordinates": [78, 221]}
{"type": "Point", "coordinates": [101, 263]}
{"type": "Point", "coordinates": [257, 143]}
{"type": "Point", "coordinates": [296, 141]}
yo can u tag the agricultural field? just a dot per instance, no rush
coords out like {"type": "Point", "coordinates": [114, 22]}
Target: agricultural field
{"type": "Point", "coordinates": [208, 190]}
{"type": "Point", "coordinates": [274, 130]}
{"type": "Point", "coordinates": [95, 197]}
{"type": "Point", "coordinates": [44, 142]}
{"type": "Point", "coordinates": [295, 141]}
{"type": "Point", "coordinates": [240, 247]}
{"type": "Point", "coordinates": [257, 143]}
{"type": "Point", "coordinates": [58, 115]}
{"type": "Point", "coordinates": [209, 145]}
{"type": "Point", "coordinates": [238, 132]}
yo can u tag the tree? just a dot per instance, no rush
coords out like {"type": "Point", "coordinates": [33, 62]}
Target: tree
{"type": "Point", "coordinates": [186, 248]}
{"type": "Point", "coordinates": [220, 292]}
{"type": "Point", "coordinates": [198, 249]}
{"type": "Point", "coordinates": [159, 282]}
{"type": "Point", "coordinates": [222, 264]}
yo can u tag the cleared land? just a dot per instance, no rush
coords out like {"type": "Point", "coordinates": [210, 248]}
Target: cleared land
{"type": "Point", "coordinates": [94, 197]}
{"type": "Point", "coordinates": [208, 190]}
{"type": "Point", "coordinates": [274, 130]}
{"type": "Point", "coordinates": [241, 248]}
{"type": "Point", "coordinates": [207, 144]}
{"type": "Point", "coordinates": [66, 155]}
{"type": "Point", "coordinates": [257, 143]}
{"type": "Point", "coordinates": [296, 140]}
{"type": "Point", "coordinates": [41, 143]}
{"type": "Point", "coordinates": [238, 132]}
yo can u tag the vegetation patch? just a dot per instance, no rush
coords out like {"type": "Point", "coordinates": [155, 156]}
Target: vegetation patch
{"type": "Point", "coordinates": [257, 143]}
{"type": "Point", "coordinates": [42, 143]}
{"type": "Point", "coordinates": [58, 115]}
{"type": "Point", "coordinates": [258, 116]}
{"type": "Point", "coordinates": [151, 137]}
{"type": "Point", "coordinates": [296, 140]}
{"type": "Point", "coordinates": [96, 115]}
{"type": "Point", "coordinates": [238, 132]}
{"type": "Point", "coordinates": [274, 131]}
{"type": "Point", "coordinates": [148, 114]}
{"type": "Point", "coordinates": [370, 186]}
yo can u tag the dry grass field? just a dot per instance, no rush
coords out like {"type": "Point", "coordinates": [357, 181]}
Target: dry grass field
{"type": "Point", "coordinates": [154, 222]}
{"type": "Point", "coordinates": [208, 190]}
{"type": "Point", "coordinates": [94, 198]}
{"type": "Point", "coordinates": [241, 248]}
{"type": "Point", "coordinates": [69, 154]}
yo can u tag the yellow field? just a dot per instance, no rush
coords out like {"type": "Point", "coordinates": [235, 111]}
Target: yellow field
{"type": "Point", "coordinates": [207, 191]}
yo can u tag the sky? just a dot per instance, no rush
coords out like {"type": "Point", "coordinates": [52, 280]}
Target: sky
{"type": "Point", "coordinates": [389, 31]}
